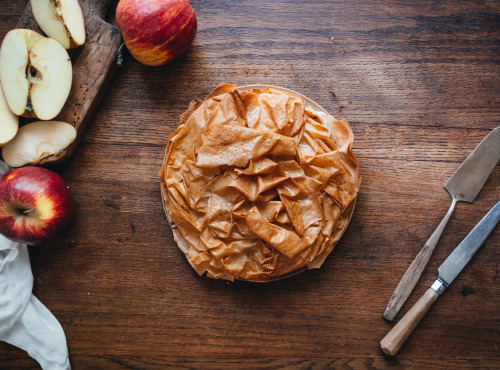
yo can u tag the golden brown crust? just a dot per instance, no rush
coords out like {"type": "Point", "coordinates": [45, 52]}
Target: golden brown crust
{"type": "Point", "coordinates": [256, 185]}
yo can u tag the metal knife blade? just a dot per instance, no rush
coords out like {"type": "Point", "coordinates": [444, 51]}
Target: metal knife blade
{"type": "Point", "coordinates": [448, 271]}
{"type": "Point", "coordinates": [464, 252]}
{"type": "Point", "coordinates": [469, 178]}
{"type": "Point", "coordinates": [463, 185]}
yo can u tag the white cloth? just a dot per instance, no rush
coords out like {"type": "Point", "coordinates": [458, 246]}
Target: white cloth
{"type": "Point", "coordinates": [24, 321]}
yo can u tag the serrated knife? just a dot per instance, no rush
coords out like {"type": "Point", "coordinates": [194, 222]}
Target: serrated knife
{"type": "Point", "coordinates": [463, 185]}
{"type": "Point", "coordinates": [447, 272]}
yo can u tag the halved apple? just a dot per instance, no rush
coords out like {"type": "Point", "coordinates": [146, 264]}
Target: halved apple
{"type": "Point", "coordinates": [35, 73]}
{"type": "Point", "coordinates": [9, 122]}
{"type": "Point", "coordinates": [38, 140]}
{"type": "Point", "coordinates": [61, 20]}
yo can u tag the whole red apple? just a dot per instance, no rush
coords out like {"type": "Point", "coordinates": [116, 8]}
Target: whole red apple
{"type": "Point", "coordinates": [156, 31]}
{"type": "Point", "coordinates": [35, 205]}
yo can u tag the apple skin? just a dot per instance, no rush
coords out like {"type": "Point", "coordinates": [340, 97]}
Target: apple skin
{"type": "Point", "coordinates": [156, 31]}
{"type": "Point", "coordinates": [35, 205]}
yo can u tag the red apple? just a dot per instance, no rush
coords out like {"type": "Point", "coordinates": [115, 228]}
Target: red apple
{"type": "Point", "coordinates": [35, 205]}
{"type": "Point", "coordinates": [156, 31]}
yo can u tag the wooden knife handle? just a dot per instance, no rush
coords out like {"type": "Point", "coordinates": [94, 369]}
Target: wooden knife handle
{"type": "Point", "coordinates": [413, 273]}
{"type": "Point", "coordinates": [398, 335]}
{"type": "Point", "coordinates": [407, 283]}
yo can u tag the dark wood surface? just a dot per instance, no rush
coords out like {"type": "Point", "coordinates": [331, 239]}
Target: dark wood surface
{"type": "Point", "coordinates": [418, 82]}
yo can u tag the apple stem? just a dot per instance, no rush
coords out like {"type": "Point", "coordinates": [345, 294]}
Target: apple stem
{"type": "Point", "coordinates": [29, 211]}
{"type": "Point", "coordinates": [119, 55]}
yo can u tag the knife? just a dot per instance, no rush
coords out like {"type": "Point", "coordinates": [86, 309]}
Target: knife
{"type": "Point", "coordinates": [447, 272]}
{"type": "Point", "coordinates": [463, 185]}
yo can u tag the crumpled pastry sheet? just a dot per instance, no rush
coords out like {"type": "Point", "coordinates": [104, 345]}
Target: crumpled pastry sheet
{"type": "Point", "coordinates": [256, 185]}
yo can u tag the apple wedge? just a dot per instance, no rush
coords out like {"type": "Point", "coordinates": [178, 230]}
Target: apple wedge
{"type": "Point", "coordinates": [38, 140]}
{"type": "Point", "coordinates": [35, 73]}
{"type": "Point", "coordinates": [9, 122]}
{"type": "Point", "coordinates": [61, 20]}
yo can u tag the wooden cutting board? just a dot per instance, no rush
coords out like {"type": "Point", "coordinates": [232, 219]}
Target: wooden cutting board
{"type": "Point", "coordinates": [94, 64]}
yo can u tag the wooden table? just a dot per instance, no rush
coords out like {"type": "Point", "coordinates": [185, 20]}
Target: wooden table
{"type": "Point", "coordinates": [418, 82]}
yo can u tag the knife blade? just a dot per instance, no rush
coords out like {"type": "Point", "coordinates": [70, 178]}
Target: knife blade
{"type": "Point", "coordinates": [463, 185]}
{"type": "Point", "coordinates": [468, 180]}
{"type": "Point", "coordinates": [447, 272]}
{"type": "Point", "coordinates": [462, 254]}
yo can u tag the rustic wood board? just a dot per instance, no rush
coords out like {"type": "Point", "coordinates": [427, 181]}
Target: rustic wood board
{"type": "Point", "coordinates": [94, 64]}
{"type": "Point", "coordinates": [422, 79]}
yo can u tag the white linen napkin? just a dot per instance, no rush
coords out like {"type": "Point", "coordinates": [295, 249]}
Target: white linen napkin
{"type": "Point", "coordinates": [24, 321]}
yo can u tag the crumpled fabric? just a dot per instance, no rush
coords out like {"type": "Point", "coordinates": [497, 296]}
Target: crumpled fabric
{"type": "Point", "coordinates": [24, 321]}
{"type": "Point", "coordinates": [256, 184]}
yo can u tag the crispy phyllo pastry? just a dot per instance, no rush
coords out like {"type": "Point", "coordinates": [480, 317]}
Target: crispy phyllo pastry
{"type": "Point", "coordinates": [257, 184]}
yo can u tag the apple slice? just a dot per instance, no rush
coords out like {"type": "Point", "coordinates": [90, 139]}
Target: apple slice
{"type": "Point", "coordinates": [35, 73]}
{"type": "Point", "coordinates": [38, 140]}
{"type": "Point", "coordinates": [61, 20]}
{"type": "Point", "coordinates": [9, 122]}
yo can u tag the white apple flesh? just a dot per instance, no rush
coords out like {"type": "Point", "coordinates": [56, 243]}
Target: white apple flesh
{"type": "Point", "coordinates": [61, 20]}
{"type": "Point", "coordinates": [36, 141]}
{"type": "Point", "coordinates": [35, 73]}
{"type": "Point", "coordinates": [9, 122]}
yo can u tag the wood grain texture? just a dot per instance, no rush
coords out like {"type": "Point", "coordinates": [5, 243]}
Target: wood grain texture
{"type": "Point", "coordinates": [418, 82]}
{"type": "Point", "coordinates": [94, 64]}
{"type": "Point", "coordinates": [408, 282]}
{"type": "Point", "coordinates": [397, 336]}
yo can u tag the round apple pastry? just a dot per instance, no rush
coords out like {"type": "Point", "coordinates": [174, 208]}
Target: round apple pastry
{"type": "Point", "coordinates": [258, 183]}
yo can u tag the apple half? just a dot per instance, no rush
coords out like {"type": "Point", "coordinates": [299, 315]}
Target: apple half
{"type": "Point", "coordinates": [36, 141]}
{"type": "Point", "coordinates": [9, 122]}
{"type": "Point", "coordinates": [61, 20]}
{"type": "Point", "coordinates": [35, 73]}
